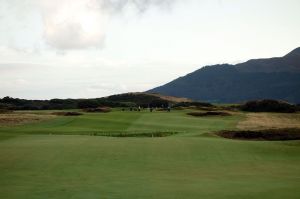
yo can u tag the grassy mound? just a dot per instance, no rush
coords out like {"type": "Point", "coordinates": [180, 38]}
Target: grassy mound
{"type": "Point", "coordinates": [268, 134]}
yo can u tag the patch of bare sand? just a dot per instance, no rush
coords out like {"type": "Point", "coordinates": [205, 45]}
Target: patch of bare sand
{"type": "Point", "coordinates": [256, 121]}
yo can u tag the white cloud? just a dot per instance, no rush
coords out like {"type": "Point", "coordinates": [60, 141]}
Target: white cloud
{"type": "Point", "coordinates": [80, 24]}
{"type": "Point", "coordinates": [107, 87]}
{"type": "Point", "coordinates": [140, 5]}
{"type": "Point", "coordinates": [73, 24]}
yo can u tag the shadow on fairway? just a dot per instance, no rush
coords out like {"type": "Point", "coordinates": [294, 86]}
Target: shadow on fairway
{"type": "Point", "coordinates": [128, 134]}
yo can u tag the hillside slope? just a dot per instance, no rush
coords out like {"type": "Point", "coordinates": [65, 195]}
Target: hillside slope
{"type": "Point", "coordinates": [273, 78]}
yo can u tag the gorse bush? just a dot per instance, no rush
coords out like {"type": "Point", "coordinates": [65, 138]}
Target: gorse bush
{"type": "Point", "coordinates": [268, 105]}
{"type": "Point", "coordinates": [197, 104]}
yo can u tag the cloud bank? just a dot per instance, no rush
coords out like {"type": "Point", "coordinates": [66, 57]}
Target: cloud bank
{"type": "Point", "coordinates": [79, 24]}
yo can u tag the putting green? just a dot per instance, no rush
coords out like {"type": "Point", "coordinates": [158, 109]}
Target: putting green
{"type": "Point", "coordinates": [35, 164]}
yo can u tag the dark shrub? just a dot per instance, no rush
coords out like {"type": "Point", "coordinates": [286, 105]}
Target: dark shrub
{"type": "Point", "coordinates": [88, 103]}
{"type": "Point", "coordinates": [67, 113]}
{"type": "Point", "coordinates": [2, 111]}
{"type": "Point", "coordinates": [197, 104]}
{"type": "Point", "coordinates": [98, 109]}
{"type": "Point", "coordinates": [269, 106]}
{"type": "Point", "coordinates": [298, 107]}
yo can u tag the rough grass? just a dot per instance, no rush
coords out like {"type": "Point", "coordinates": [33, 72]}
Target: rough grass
{"type": "Point", "coordinates": [256, 121]}
{"type": "Point", "coordinates": [11, 119]}
{"type": "Point", "coordinates": [171, 98]}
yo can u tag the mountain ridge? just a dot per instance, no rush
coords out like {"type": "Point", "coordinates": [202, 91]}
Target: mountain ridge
{"type": "Point", "coordinates": [273, 78]}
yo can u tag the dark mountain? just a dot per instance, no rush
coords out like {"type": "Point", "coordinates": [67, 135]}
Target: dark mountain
{"type": "Point", "coordinates": [273, 78]}
{"type": "Point", "coordinates": [288, 63]}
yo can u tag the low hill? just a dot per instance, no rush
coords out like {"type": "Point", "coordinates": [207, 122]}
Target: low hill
{"type": "Point", "coordinates": [145, 99]}
{"type": "Point", "coordinates": [120, 100]}
{"type": "Point", "coordinates": [140, 97]}
{"type": "Point", "coordinates": [274, 78]}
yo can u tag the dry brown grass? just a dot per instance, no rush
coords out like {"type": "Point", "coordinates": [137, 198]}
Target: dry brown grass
{"type": "Point", "coordinates": [19, 118]}
{"type": "Point", "coordinates": [173, 99]}
{"type": "Point", "coordinates": [169, 98]}
{"type": "Point", "coordinates": [256, 121]}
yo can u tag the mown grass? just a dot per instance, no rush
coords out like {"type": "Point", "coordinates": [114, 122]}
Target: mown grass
{"type": "Point", "coordinates": [36, 164]}
{"type": "Point", "coordinates": [119, 122]}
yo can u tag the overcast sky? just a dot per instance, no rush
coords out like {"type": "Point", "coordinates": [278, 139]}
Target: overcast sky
{"type": "Point", "coordinates": [93, 48]}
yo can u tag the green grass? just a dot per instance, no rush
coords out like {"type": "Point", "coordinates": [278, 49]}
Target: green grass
{"type": "Point", "coordinates": [118, 121]}
{"type": "Point", "coordinates": [37, 165]}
